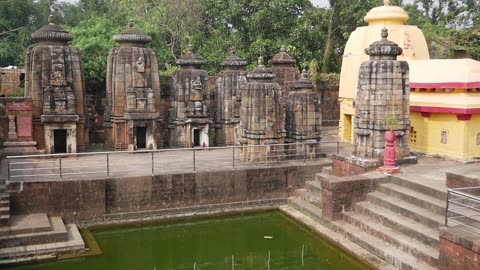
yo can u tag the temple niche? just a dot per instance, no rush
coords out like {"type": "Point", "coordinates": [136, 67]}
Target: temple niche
{"type": "Point", "coordinates": [262, 117]}
{"type": "Point", "coordinates": [132, 119]}
{"type": "Point", "coordinates": [285, 70]}
{"type": "Point", "coordinates": [189, 121]}
{"type": "Point", "coordinates": [228, 99]}
{"type": "Point", "coordinates": [303, 120]}
{"type": "Point", "coordinates": [54, 81]}
{"type": "Point", "coordinates": [382, 101]}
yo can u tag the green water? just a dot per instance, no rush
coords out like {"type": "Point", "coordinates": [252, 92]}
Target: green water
{"type": "Point", "coordinates": [260, 241]}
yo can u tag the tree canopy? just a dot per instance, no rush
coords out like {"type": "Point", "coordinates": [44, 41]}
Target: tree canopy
{"type": "Point", "coordinates": [256, 27]}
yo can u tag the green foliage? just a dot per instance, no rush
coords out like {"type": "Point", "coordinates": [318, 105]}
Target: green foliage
{"type": "Point", "coordinates": [18, 92]}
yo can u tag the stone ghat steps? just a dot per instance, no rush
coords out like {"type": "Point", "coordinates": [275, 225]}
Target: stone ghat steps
{"type": "Point", "coordinates": [57, 233]}
{"type": "Point", "coordinates": [4, 205]}
{"type": "Point", "coordinates": [31, 252]}
{"type": "Point", "coordinates": [392, 254]}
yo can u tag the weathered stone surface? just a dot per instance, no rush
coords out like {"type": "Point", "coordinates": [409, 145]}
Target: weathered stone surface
{"type": "Point", "coordinates": [285, 70]}
{"type": "Point", "coordinates": [133, 93]}
{"type": "Point", "coordinates": [303, 120]}
{"type": "Point", "coordinates": [382, 101]}
{"type": "Point", "coordinates": [262, 117]}
{"type": "Point", "coordinates": [189, 118]}
{"type": "Point", "coordinates": [459, 249]}
{"type": "Point", "coordinates": [228, 99]}
{"type": "Point", "coordinates": [11, 79]}
{"type": "Point", "coordinates": [54, 80]}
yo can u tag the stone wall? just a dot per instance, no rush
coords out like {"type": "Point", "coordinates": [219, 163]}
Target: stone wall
{"type": "Point", "coordinates": [459, 249]}
{"type": "Point", "coordinates": [95, 200]}
{"type": "Point", "coordinates": [10, 80]}
{"type": "Point", "coordinates": [328, 87]}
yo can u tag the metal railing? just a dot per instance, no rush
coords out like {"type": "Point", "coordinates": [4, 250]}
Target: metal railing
{"type": "Point", "coordinates": [463, 208]}
{"type": "Point", "coordinates": [94, 165]}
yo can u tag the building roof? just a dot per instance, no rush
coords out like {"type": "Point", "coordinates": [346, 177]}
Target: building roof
{"type": "Point", "coordinates": [445, 73]}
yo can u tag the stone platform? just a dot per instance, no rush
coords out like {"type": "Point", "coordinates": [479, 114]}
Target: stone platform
{"type": "Point", "coordinates": [37, 235]}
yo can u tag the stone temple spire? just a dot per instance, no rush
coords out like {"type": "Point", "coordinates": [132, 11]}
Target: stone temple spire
{"type": "Point", "coordinates": [383, 94]}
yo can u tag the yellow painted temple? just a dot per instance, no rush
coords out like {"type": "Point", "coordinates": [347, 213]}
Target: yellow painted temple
{"type": "Point", "coordinates": [444, 94]}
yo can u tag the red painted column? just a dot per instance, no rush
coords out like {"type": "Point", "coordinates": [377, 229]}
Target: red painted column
{"type": "Point", "coordinates": [389, 165]}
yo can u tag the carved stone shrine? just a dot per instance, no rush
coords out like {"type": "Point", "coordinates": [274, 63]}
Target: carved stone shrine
{"type": "Point", "coordinates": [262, 117]}
{"type": "Point", "coordinates": [55, 83]}
{"type": "Point", "coordinates": [20, 138]}
{"type": "Point", "coordinates": [132, 118]}
{"type": "Point", "coordinates": [189, 121]}
{"type": "Point", "coordinates": [303, 120]}
{"type": "Point", "coordinates": [228, 99]}
{"type": "Point", "coordinates": [285, 70]}
{"type": "Point", "coordinates": [382, 101]}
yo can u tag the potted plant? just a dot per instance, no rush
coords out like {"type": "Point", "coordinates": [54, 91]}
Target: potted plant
{"type": "Point", "coordinates": [391, 123]}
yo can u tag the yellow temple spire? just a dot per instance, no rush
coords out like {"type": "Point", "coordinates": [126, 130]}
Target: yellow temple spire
{"type": "Point", "coordinates": [386, 2]}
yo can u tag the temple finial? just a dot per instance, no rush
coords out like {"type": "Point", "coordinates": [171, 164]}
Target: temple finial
{"type": "Point", "coordinates": [384, 33]}
{"type": "Point", "coordinates": [130, 23]}
{"type": "Point", "coordinates": [283, 48]}
{"type": "Point", "coordinates": [190, 48]}
{"type": "Point", "coordinates": [386, 3]}
{"type": "Point", "coordinates": [233, 50]}
{"type": "Point", "coordinates": [304, 75]}
{"type": "Point", "coordinates": [51, 19]}
{"type": "Point", "coordinates": [261, 63]}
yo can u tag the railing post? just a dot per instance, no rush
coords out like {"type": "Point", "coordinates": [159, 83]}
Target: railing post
{"type": "Point", "coordinates": [446, 208]}
{"type": "Point", "coordinates": [8, 169]}
{"type": "Point", "coordinates": [338, 147]}
{"type": "Point", "coordinates": [304, 153]}
{"type": "Point", "coordinates": [233, 158]}
{"type": "Point", "coordinates": [108, 165]}
{"type": "Point", "coordinates": [60, 162]}
{"type": "Point", "coordinates": [153, 165]}
{"type": "Point", "coordinates": [194, 165]}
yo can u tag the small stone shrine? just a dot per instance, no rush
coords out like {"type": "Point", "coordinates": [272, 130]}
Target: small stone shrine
{"type": "Point", "coordinates": [54, 80]}
{"type": "Point", "coordinates": [285, 70]}
{"type": "Point", "coordinates": [228, 99]}
{"type": "Point", "coordinates": [262, 117]}
{"type": "Point", "coordinates": [189, 121]}
{"type": "Point", "coordinates": [132, 119]}
{"type": "Point", "coordinates": [20, 138]}
{"type": "Point", "coordinates": [382, 101]}
{"type": "Point", "coordinates": [303, 119]}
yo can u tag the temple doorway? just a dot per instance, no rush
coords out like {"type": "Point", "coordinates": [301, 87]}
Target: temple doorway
{"type": "Point", "coordinates": [60, 141]}
{"type": "Point", "coordinates": [141, 135]}
{"type": "Point", "coordinates": [196, 137]}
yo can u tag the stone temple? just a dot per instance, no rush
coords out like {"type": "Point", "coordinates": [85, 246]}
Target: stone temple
{"type": "Point", "coordinates": [303, 119]}
{"type": "Point", "coordinates": [228, 99]}
{"type": "Point", "coordinates": [262, 117]}
{"type": "Point", "coordinates": [285, 70]}
{"type": "Point", "coordinates": [132, 119]}
{"type": "Point", "coordinates": [189, 121]}
{"type": "Point", "coordinates": [54, 81]}
{"type": "Point", "coordinates": [382, 101]}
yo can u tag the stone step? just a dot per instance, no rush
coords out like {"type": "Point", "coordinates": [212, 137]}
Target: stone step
{"type": "Point", "coordinates": [58, 233]}
{"type": "Point", "coordinates": [308, 196]}
{"type": "Point", "coordinates": [393, 237]}
{"type": "Point", "coordinates": [314, 187]}
{"type": "Point", "coordinates": [399, 223]}
{"type": "Point", "coordinates": [404, 208]}
{"type": "Point", "coordinates": [4, 203]}
{"type": "Point", "coordinates": [23, 224]}
{"type": "Point", "coordinates": [393, 255]}
{"type": "Point", "coordinates": [305, 207]}
{"type": "Point", "coordinates": [327, 170]}
{"type": "Point", "coordinates": [412, 196]}
{"type": "Point", "coordinates": [74, 242]}
{"type": "Point", "coordinates": [432, 191]}
{"type": "Point", "coordinates": [4, 210]}
{"type": "Point", "coordinates": [4, 220]}
{"type": "Point", "coordinates": [320, 176]}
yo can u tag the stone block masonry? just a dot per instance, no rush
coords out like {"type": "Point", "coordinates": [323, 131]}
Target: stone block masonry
{"type": "Point", "coordinates": [459, 249]}
{"type": "Point", "coordinates": [95, 200]}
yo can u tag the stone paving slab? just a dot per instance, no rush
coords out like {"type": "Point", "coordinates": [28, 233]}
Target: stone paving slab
{"type": "Point", "coordinates": [22, 224]}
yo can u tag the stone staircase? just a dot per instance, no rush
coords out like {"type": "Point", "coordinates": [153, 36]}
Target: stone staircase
{"type": "Point", "coordinates": [399, 222]}
{"type": "Point", "coordinates": [4, 205]}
